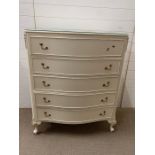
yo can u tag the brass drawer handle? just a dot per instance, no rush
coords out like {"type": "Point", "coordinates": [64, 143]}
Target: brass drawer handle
{"type": "Point", "coordinates": [106, 84]}
{"type": "Point", "coordinates": [104, 100]}
{"type": "Point", "coordinates": [47, 115]}
{"type": "Point", "coordinates": [108, 49]}
{"type": "Point", "coordinates": [44, 67]}
{"type": "Point", "coordinates": [103, 113]}
{"type": "Point", "coordinates": [108, 68]}
{"type": "Point", "coordinates": [42, 46]}
{"type": "Point", "coordinates": [45, 100]}
{"type": "Point", "coordinates": [45, 84]}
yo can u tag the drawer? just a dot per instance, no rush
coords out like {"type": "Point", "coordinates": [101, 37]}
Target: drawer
{"type": "Point", "coordinates": [76, 67]}
{"type": "Point", "coordinates": [74, 116]}
{"type": "Point", "coordinates": [75, 84]}
{"type": "Point", "coordinates": [76, 100]}
{"type": "Point", "coordinates": [76, 47]}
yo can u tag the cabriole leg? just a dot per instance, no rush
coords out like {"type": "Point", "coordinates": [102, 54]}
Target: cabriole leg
{"type": "Point", "coordinates": [112, 124]}
{"type": "Point", "coordinates": [35, 131]}
{"type": "Point", "coordinates": [112, 129]}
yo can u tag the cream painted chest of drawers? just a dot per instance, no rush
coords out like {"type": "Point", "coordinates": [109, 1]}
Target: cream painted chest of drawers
{"type": "Point", "coordinates": [74, 77]}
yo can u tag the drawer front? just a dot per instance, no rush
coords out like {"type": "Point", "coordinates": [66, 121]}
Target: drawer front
{"type": "Point", "coordinates": [68, 100]}
{"type": "Point", "coordinates": [76, 84]}
{"type": "Point", "coordinates": [74, 116]}
{"type": "Point", "coordinates": [76, 67]}
{"type": "Point", "coordinates": [77, 47]}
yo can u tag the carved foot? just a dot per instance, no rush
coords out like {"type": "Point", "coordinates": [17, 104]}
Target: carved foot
{"type": "Point", "coordinates": [112, 128]}
{"type": "Point", "coordinates": [36, 124]}
{"type": "Point", "coordinates": [112, 124]}
{"type": "Point", "coordinates": [35, 131]}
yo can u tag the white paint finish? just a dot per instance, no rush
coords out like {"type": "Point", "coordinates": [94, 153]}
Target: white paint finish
{"type": "Point", "coordinates": [66, 46]}
{"type": "Point", "coordinates": [26, 9]}
{"type": "Point", "coordinates": [73, 78]}
{"type": "Point", "coordinates": [131, 75]}
{"type": "Point", "coordinates": [128, 49]}
{"type": "Point", "coordinates": [133, 47]}
{"type": "Point", "coordinates": [129, 90]}
{"type": "Point", "coordinates": [128, 53]}
{"type": "Point", "coordinates": [68, 116]}
{"type": "Point", "coordinates": [130, 83]}
{"type": "Point", "coordinates": [84, 25]}
{"type": "Point", "coordinates": [22, 41]}
{"type": "Point", "coordinates": [124, 4]}
{"type": "Point", "coordinates": [130, 35]}
{"type": "Point", "coordinates": [68, 100]}
{"type": "Point", "coordinates": [131, 66]}
{"type": "Point", "coordinates": [132, 55]}
{"type": "Point", "coordinates": [132, 58]}
{"type": "Point", "coordinates": [128, 97]}
{"type": "Point", "coordinates": [81, 67]}
{"type": "Point", "coordinates": [83, 13]}
{"type": "Point", "coordinates": [76, 84]}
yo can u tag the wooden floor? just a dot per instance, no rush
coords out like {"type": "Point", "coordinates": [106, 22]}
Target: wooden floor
{"type": "Point", "coordinates": [87, 139]}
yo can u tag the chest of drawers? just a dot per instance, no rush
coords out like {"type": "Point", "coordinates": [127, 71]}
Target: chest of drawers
{"type": "Point", "coordinates": [74, 77]}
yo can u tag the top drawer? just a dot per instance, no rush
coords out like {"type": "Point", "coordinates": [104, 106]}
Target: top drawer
{"type": "Point", "coordinates": [76, 47]}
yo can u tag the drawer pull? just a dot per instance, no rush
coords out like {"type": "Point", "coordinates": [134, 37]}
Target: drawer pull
{"type": "Point", "coordinates": [106, 84]}
{"type": "Point", "coordinates": [47, 115]}
{"type": "Point", "coordinates": [45, 84]}
{"type": "Point", "coordinates": [103, 113]}
{"type": "Point", "coordinates": [42, 46]}
{"type": "Point", "coordinates": [44, 67]}
{"type": "Point", "coordinates": [45, 100]}
{"type": "Point", "coordinates": [108, 49]}
{"type": "Point", "coordinates": [108, 67]}
{"type": "Point", "coordinates": [104, 100]}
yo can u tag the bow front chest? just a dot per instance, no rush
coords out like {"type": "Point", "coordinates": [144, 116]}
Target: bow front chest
{"type": "Point", "coordinates": [74, 77]}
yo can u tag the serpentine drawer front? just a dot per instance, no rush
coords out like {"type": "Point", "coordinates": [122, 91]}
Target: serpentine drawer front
{"type": "Point", "coordinates": [75, 84]}
{"type": "Point", "coordinates": [74, 77]}
{"type": "Point", "coordinates": [74, 116]}
{"type": "Point", "coordinates": [81, 47]}
{"type": "Point", "coordinates": [74, 100]}
{"type": "Point", "coordinates": [81, 67]}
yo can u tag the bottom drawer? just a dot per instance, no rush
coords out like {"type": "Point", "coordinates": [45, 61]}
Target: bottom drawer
{"type": "Point", "coordinates": [74, 116]}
